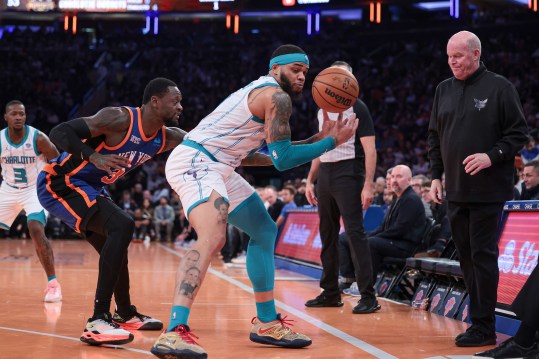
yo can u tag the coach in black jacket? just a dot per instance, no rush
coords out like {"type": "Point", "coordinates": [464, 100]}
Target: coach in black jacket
{"type": "Point", "coordinates": [404, 224]}
{"type": "Point", "coordinates": [476, 128]}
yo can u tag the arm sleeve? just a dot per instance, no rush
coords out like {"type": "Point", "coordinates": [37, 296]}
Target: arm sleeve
{"type": "Point", "coordinates": [67, 137]}
{"type": "Point", "coordinates": [285, 156]}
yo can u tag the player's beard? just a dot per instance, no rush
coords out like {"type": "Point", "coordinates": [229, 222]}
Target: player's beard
{"type": "Point", "coordinates": [287, 87]}
{"type": "Point", "coordinates": [172, 122]}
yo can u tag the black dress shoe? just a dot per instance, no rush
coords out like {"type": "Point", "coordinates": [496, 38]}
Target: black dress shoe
{"type": "Point", "coordinates": [324, 300]}
{"type": "Point", "coordinates": [470, 328]}
{"type": "Point", "coordinates": [475, 338]}
{"type": "Point", "coordinates": [507, 349]}
{"type": "Point", "coordinates": [366, 306]}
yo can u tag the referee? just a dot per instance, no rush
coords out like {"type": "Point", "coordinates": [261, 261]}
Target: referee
{"type": "Point", "coordinates": [344, 187]}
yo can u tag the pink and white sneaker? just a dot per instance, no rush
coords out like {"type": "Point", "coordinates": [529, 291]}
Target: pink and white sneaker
{"type": "Point", "coordinates": [53, 292]}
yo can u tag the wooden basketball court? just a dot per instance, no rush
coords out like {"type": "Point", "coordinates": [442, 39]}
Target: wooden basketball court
{"type": "Point", "coordinates": [221, 315]}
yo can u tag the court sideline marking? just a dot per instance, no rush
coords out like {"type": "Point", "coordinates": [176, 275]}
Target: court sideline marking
{"type": "Point", "coordinates": [366, 347]}
{"type": "Point", "coordinates": [75, 339]}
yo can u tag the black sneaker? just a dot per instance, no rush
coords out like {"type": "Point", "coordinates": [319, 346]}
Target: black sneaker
{"type": "Point", "coordinates": [366, 306]}
{"type": "Point", "coordinates": [323, 300]}
{"type": "Point", "coordinates": [474, 337]}
{"type": "Point", "coordinates": [137, 321]}
{"type": "Point", "coordinates": [507, 349]}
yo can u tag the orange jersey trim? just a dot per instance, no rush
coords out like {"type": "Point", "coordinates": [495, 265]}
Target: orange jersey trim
{"type": "Point", "coordinates": [147, 139]}
{"type": "Point", "coordinates": [128, 134]}
{"type": "Point", "coordinates": [64, 203]}
{"type": "Point", "coordinates": [164, 130]}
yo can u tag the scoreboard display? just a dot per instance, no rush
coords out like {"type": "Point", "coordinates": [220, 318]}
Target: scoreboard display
{"type": "Point", "coordinates": [519, 248]}
{"type": "Point", "coordinates": [113, 5]}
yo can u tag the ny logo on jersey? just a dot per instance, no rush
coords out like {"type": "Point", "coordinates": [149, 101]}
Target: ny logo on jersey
{"type": "Point", "coordinates": [135, 139]}
{"type": "Point", "coordinates": [479, 104]}
{"type": "Point", "coordinates": [28, 145]}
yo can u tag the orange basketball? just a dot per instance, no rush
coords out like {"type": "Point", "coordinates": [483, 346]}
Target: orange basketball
{"type": "Point", "coordinates": [335, 89]}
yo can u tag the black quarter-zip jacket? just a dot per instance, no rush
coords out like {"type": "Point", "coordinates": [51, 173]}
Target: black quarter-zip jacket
{"type": "Point", "coordinates": [481, 114]}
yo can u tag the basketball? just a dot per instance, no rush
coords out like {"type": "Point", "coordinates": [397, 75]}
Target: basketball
{"type": "Point", "coordinates": [335, 89]}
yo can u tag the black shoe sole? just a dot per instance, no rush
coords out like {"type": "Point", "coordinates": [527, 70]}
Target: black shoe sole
{"type": "Point", "coordinates": [477, 344]}
{"type": "Point", "coordinates": [280, 343]}
{"type": "Point", "coordinates": [91, 341]}
{"type": "Point", "coordinates": [177, 354]}
{"type": "Point", "coordinates": [325, 305]}
{"type": "Point", "coordinates": [368, 311]}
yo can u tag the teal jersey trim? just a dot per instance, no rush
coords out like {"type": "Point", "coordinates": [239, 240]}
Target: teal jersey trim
{"type": "Point", "coordinates": [36, 132]}
{"type": "Point", "coordinates": [199, 147]}
{"type": "Point", "coordinates": [196, 204]}
{"type": "Point", "coordinates": [37, 216]}
{"type": "Point", "coordinates": [23, 141]}
{"type": "Point", "coordinates": [4, 226]}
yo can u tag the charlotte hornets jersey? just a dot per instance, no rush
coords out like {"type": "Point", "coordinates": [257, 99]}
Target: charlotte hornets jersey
{"type": "Point", "coordinates": [135, 146]}
{"type": "Point", "coordinates": [20, 163]}
{"type": "Point", "coordinates": [231, 132]}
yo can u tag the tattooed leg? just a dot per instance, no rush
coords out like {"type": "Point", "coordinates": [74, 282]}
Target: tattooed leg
{"type": "Point", "coordinates": [209, 220]}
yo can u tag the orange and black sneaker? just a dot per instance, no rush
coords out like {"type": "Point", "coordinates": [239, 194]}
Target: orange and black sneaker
{"type": "Point", "coordinates": [137, 321]}
{"type": "Point", "coordinates": [277, 333]}
{"type": "Point", "coordinates": [101, 330]}
{"type": "Point", "coordinates": [178, 344]}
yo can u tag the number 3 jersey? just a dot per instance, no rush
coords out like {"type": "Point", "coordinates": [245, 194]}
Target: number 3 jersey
{"type": "Point", "coordinates": [69, 187]}
{"type": "Point", "coordinates": [135, 146]}
{"type": "Point", "coordinates": [20, 163]}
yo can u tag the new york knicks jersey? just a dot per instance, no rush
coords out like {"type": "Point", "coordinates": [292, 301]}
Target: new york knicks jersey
{"type": "Point", "coordinates": [231, 132]}
{"type": "Point", "coordinates": [20, 163]}
{"type": "Point", "coordinates": [135, 146]}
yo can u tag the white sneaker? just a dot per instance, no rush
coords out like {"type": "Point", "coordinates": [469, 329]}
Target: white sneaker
{"type": "Point", "coordinates": [103, 331]}
{"type": "Point", "coordinates": [353, 290]}
{"type": "Point", "coordinates": [53, 292]}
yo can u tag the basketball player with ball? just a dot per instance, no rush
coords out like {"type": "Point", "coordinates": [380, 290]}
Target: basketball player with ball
{"type": "Point", "coordinates": [344, 188]}
{"type": "Point", "coordinates": [201, 171]}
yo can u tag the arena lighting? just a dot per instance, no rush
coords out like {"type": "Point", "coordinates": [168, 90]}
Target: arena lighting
{"type": "Point", "coordinates": [317, 22]}
{"type": "Point", "coordinates": [236, 24]}
{"type": "Point", "coordinates": [289, 2]}
{"type": "Point", "coordinates": [146, 30]}
{"type": "Point", "coordinates": [66, 22]}
{"type": "Point", "coordinates": [433, 6]}
{"type": "Point", "coordinates": [533, 5]}
{"type": "Point", "coordinates": [155, 25]}
{"type": "Point", "coordinates": [375, 12]}
{"type": "Point", "coordinates": [308, 2]}
{"type": "Point", "coordinates": [454, 8]}
{"type": "Point", "coordinates": [74, 29]}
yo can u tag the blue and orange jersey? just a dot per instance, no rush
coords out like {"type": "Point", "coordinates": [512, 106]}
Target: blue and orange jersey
{"type": "Point", "coordinates": [135, 146]}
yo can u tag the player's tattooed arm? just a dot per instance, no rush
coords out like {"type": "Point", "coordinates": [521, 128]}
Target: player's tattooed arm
{"type": "Point", "coordinates": [278, 111]}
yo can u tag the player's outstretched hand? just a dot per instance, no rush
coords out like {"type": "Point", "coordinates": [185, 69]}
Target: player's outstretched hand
{"type": "Point", "coordinates": [343, 128]}
{"type": "Point", "coordinates": [109, 163]}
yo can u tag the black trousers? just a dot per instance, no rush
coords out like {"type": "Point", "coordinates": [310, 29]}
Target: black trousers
{"type": "Point", "coordinates": [339, 194]}
{"type": "Point", "coordinates": [475, 230]}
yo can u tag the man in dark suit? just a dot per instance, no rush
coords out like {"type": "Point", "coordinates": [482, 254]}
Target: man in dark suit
{"type": "Point", "coordinates": [404, 224]}
{"type": "Point", "coordinates": [526, 307]}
